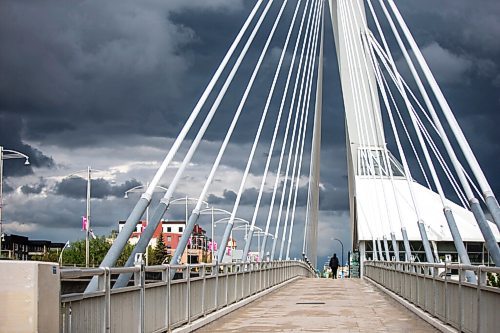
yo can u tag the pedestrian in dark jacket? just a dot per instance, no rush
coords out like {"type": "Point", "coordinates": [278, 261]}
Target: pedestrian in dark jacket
{"type": "Point", "coordinates": [334, 265]}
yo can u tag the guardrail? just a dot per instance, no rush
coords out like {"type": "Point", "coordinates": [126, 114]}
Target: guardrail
{"type": "Point", "coordinates": [167, 303]}
{"type": "Point", "coordinates": [466, 306]}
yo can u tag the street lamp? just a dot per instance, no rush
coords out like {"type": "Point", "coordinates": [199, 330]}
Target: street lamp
{"type": "Point", "coordinates": [214, 211]}
{"type": "Point", "coordinates": [7, 154]}
{"type": "Point", "coordinates": [88, 173]}
{"type": "Point", "coordinates": [342, 245]}
{"type": "Point", "coordinates": [61, 255]}
{"type": "Point", "coordinates": [140, 189]}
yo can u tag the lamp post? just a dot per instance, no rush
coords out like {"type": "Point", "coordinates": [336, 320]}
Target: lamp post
{"type": "Point", "coordinates": [88, 174]}
{"type": "Point", "coordinates": [61, 255]}
{"type": "Point", "coordinates": [342, 256]}
{"type": "Point", "coordinates": [140, 189]}
{"type": "Point", "coordinates": [186, 201]}
{"type": "Point", "coordinates": [214, 211]}
{"type": "Point", "coordinates": [7, 154]}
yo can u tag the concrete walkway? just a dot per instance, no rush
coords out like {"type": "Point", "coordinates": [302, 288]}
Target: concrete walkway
{"type": "Point", "coordinates": [350, 305]}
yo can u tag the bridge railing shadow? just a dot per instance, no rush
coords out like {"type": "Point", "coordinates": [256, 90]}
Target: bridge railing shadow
{"type": "Point", "coordinates": [166, 300]}
{"type": "Point", "coordinates": [442, 290]}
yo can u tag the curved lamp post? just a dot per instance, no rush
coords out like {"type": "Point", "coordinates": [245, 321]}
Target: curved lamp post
{"type": "Point", "coordinates": [61, 255]}
{"type": "Point", "coordinates": [7, 154]}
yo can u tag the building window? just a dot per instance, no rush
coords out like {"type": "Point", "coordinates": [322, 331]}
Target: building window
{"type": "Point", "coordinates": [169, 238]}
{"type": "Point", "coordinates": [169, 229]}
{"type": "Point", "coordinates": [181, 229]}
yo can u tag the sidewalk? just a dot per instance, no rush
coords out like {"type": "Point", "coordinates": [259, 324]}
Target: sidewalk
{"type": "Point", "coordinates": [350, 305]}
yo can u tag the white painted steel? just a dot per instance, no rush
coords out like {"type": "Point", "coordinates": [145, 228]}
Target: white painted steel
{"type": "Point", "coordinates": [164, 303]}
{"type": "Point", "coordinates": [466, 306]}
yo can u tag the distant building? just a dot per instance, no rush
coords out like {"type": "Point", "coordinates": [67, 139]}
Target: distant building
{"type": "Point", "coordinates": [22, 248]}
{"type": "Point", "coordinates": [171, 231]}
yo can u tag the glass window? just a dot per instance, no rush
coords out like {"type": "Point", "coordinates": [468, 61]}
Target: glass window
{"type": "Point", "coordinates": [181, 229]}
{"type": "Point", "coordinates": [169, 229]}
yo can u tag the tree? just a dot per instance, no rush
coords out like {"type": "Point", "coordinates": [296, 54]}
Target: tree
{"type": "Point", "coordinates": [159, 252]}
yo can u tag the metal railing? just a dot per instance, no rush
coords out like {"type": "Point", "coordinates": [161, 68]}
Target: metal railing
{"type": "Point", "coordinates": [166, 303]}
{"type": "Point", "coordinates": [466, 306]}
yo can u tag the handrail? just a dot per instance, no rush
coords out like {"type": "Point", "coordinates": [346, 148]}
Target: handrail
{"type": "Point", "coordinates": [432, 287]}
{"type": "Point", "coordinates": [196, 291]}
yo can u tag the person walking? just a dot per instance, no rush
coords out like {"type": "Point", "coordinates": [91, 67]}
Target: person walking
{"type": "Point", "coordinates": [334, 265]}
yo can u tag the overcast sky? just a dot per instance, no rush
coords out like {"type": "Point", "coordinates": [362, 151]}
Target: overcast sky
{"type": "Point", "coordinates": [110, 83]}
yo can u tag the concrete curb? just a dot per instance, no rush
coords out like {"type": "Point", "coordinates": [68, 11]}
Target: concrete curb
{"type": "Point", "coordinates": [438, 324]}
{"type": "Point", "coordinates": [198, 323]}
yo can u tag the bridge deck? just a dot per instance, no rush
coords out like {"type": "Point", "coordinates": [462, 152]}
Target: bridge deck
{"type": "Point", "coordinates": [350, 305]}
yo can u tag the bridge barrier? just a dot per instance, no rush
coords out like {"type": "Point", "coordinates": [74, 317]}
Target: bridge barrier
{"type": "Point", "coordinates": [465, 306]}
{"type": "Point", "coordinates": [164, 304]}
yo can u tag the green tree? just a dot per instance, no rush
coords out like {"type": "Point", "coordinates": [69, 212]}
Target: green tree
{"type": "Point", "coordinates": [493, 280]}
{"type": "Point", "coordinates": [159, 252]}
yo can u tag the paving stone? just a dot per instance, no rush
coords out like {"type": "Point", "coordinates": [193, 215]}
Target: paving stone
{"type": "Point", "coordinates": [350, 305]}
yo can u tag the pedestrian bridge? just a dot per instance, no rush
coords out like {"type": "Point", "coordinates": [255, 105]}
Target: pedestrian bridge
{"type": "Point", "coordinates": [283, 296]}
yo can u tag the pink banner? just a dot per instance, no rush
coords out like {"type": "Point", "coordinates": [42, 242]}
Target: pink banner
{"type": "Point", "coordinates": [84, 223]}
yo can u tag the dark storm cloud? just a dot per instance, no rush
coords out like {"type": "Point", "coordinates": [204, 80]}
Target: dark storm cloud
{"type": "Point", "coordinates": [122, 71]}
{"type": "Point", "coordinates": [35, 188]}
{"type": "Point", "coordinates": [76, 187]}
{"type": "Point", "coordinates": [331, 198]}
{"type": "Point", "coordinates": [11, 130]}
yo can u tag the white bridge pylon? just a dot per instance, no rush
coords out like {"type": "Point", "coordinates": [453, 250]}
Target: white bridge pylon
{"type": "Point", "coordinates": [386, 203]}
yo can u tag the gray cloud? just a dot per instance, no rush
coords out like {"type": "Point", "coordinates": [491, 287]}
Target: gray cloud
{"type": "Point", "coordinates": [76, 187]}
{"type": "Point", "coordinates": [35, 188]}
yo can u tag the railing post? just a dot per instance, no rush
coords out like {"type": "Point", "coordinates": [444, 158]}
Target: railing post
{"type": "Point", "coordinates": [216, 286]}
{"type": "Point", "coordinates": [434, 288]}
{"type": "Point", "coordinates": [460, 298]}
{"type": "Point", "coordinates": [107, 299]}
{"type": "Point", "coordinates": [140, 277]}
{"type": "Point", "coordinates": [227, 283]}
{"type": "Point", "coordinates": [169, 296]}
{"type": "Point", "coordinates": [203, 272]}
{"type": "Point", "coordinates": [188, 291]}
{"type": "Point", "coordinates": [480, 278]}
{"type": "Point", "coordinates": [446, 292]}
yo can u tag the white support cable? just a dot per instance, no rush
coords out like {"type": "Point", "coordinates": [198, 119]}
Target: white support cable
{"type": "Point", "coordinates": [276, 128]}
{"type": "Point", "coordinates": [441, 161]}
{"type": "Point", "coordinates": [144, 202]}
{"type": "Point", "coordinates": [237, 201]}
{"type": "Point", "coordinates": [290, 71]}
{"type": "Point", "coordinates": [301, 122]}
{"type": "Point", "coordinates": [306, 104]}
{"type": "Point", "coordinates": [474, 203]}
{"type": "Point", "coordinates": [195, 213]}
{"type": "Point", "coordinates": [187, 126]}
{"type": "Point", "coordinates": [239, 110]}
{"type": "Point", "coordinates": [429, 106]}
{"type": "Point", "coordinates": [428, 102]}
{"type": "Point", "coordinates": [440, 158]}
{"type": "Point", "coordinates": [168, 195]}
{"type": "Point", "coordinates": [455, 127]}
{"type": "Point", "coordinates": [165, 201]}
{"type": "Point", "coordinates": [292, 140]}
{"type": "Point", "coordinates": [389, 163]}
{"type": "Point", "coordinates": [490, 199]}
